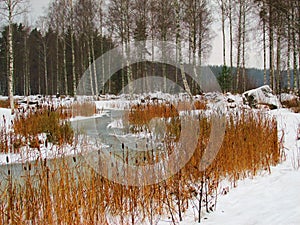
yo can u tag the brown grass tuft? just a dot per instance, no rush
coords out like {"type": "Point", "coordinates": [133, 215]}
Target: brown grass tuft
{"type": "Point", "coordinates": [28, 127]}
{"type": "Point", "coordinates": [85, 109]}
{"type": "Point", "coordinates": [293, 104]}
{"type": "Point", "coordinates": [6, 104]}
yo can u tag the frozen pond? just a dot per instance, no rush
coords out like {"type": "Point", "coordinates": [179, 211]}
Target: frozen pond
{"type": "Point", "coordinates": [95, 129]}
{"type": "Point", "coordinates": [105, 133]}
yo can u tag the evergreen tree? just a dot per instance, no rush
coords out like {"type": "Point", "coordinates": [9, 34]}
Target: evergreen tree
{"type": "Point", "coordinates": [225, 79]}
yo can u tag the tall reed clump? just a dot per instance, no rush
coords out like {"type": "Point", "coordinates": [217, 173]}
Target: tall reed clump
{"type": "Point", "coordinates": [28, 126]}
{"type": "Point", "coordinates": [4, 136]}
{"type": "Point", "coordinates": [140, 115]}
{"type": "Point", "coordinates": [6, 104]}
{"type": "Point", "coordinates": [85, 109]}
{"type": "Point", "coordinates": [66, 191]}
{"type": "Point", "coordinates": [250, 145]}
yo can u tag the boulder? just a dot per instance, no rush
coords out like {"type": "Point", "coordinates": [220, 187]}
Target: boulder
{"type": "Point", "coordinates": [289, 100]}
{"type": "Point", "coordinates": [261, 97]}
{"type": "Point", "coordinates": [234, 101]}
{"type": "Point", "coordinates": [230, 99]}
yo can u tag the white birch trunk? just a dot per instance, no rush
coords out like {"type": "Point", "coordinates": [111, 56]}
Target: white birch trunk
{"type": "Point", "coordinates": [223, 31]}
{"type": "Point", "coordinates": [239, 44]}
{"type": "Point", "coordinates": [57, 64]}
{"type": "Point", "coordinates": [231, 39]}
{"type": "Point", "coordinates": [90, 69]}
{"type": "Point", "coordinates": [94, 66]}
{"type": "Point", "coordinates": [11, 63]}
{"type": "Point", "coordinates": [271, 47]}
{"type": "Point", "coordinates": [179, 49]}
{"type": "Point", "coordinates": [45, 66]}
{"type": "Point", "coordinates": [265, 46]}
{"type": "Point", "coordinates": [65, 67]}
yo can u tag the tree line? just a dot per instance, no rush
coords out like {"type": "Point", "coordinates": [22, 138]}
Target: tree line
{"type": "Point", "coordinates": [51, 56]}
{"type": "Point", "coordinates": [275, 28]}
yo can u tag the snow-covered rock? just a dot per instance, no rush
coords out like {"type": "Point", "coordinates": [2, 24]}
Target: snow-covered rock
{"type": "Point", "coordinates": [233, 101]}
{"type": "Point", "coordinates": [290, 101]}
{"type": "Point", "coordinates": [261, 97]}
{"type": "Point", "coordinates": [288, 97]}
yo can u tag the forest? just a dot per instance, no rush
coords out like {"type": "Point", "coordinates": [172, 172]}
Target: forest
{"type": "Point", "coordinates": [51, 56]}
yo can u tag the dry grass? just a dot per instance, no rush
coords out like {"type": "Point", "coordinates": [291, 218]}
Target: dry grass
{"type": "Point", "coordinates": [4, 141]}
{"type": "Point", "coordinates": [85, 109]}
{"type": "Point", "coordinates": [200, 105]}
{"type": "Point", "coordinates": [296, 109]}
{"type": "Point", "coordinates": [28, 126]}
{"type": "Point", "coordinates": [66, 191]}
{"type": "Point", "coordinates": [296, 154]}
{"type": "Point", "coordinates": [196, 105]}
{"type": "Point", "coordinates": [6, 104]}
{"type": "Point", "coordinates": [142, 114]}
{"type": "Point", "coordinates": [30, 123]}
{"type": "Point", "coordinates": [293, 104]}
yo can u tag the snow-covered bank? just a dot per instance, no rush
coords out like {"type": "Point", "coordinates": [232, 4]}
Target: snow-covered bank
{"type": "Point", "coordinates": [45, 150]}
{"type": "Point", "coordinates": [266, 199]}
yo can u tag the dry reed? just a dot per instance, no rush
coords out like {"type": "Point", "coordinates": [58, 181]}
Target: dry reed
{"type": "Point", "coordinates": [66, 191]}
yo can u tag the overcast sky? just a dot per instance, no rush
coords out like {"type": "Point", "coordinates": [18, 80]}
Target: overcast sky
{"type": "Point", "coordinates": [254, 59]}
{"type": "Point", "coordinates": [37, 6]}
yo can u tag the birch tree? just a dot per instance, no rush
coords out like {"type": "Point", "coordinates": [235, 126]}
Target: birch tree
{"type": "Point", "coordinates": [179, 19]}
{"type": "Point", "coordinates": [230, 36]}
{"type": "Point", "coordinates": [165, 26]}
{"type": "Point", "coordinates": [140, 32]}
{"type": "Point", "coordinates": [71, 27]}
{"type": "Point", "coordinates": [10, 9]}
{"type": "Point", "coordinates": [87, 11]}
{"type": "Point", "coordinates": [58, 14]}
{"type": "Point", "coordinates": [222, 5]}
{"type": "Point", "coordinates": [54, 23]}
{"type": "Point", "coordinates": [121, 20]}
{"type": "Point", "coordinates": [239, 43]}
{"type": "Point", "coordinates": [42, 24]}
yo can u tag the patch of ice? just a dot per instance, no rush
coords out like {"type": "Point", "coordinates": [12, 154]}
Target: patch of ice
{"type": "Point", "coordinates": [116, 124]}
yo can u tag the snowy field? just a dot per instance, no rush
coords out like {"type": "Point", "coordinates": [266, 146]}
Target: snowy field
{"type": "Point", "coordinates": [265, 199]}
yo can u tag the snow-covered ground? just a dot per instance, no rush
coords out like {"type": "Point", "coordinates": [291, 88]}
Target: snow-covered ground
{"type": "Point", "coordinates": [5, 117]}
{"type": "Point", "coordinates": [266, 199]}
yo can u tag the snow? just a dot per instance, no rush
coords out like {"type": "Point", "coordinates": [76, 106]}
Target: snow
{"type": "Point", "coordinates": [265, 199]}
{"type": "Point", "coordinates": [270, 199]}
{"type": "Point", "coordinates": [116, 124]}
{"type": "Point", "coordinates": [124, 101]}
{"type": "Point", "coordinates": [50, 152]}
{"type": "Point", "coordinates": [5, 117]}
{"type": "Point", "coordinates": [98, 115]}
{"type": "Point", "coordinates": [3, 98]}
{"type": "Point", "coordinates": [262, 95]}
{"type": "Point", "coordinates": [287, 97]}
